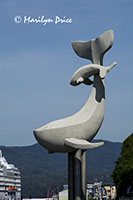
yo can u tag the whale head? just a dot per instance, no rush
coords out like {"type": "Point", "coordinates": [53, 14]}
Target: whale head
{"type": "Point", "coordinates": [82, 74]}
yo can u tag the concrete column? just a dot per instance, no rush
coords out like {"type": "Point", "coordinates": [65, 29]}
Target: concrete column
{"type": "Point", "coordinates": [77, 175]}
{"type": "Point", "coordinates": [71, 176]}
{"type": "Point", "coordinates": [83, 173]}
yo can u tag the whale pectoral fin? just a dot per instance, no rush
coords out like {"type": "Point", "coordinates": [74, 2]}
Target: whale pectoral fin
{"type": "Point", "coordinates": [81, 144]}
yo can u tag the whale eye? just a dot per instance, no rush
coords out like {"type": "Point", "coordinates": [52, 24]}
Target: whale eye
{"type": "Point", "coordinates": [80, 80]}
{"type": "Point", "coordinates": [76, 82]}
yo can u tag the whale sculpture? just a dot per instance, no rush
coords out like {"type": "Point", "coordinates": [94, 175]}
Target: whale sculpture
{"type": "Point", "coordinates": [74, 134]}
{"type": "Point", "coordinates": [77, 131]}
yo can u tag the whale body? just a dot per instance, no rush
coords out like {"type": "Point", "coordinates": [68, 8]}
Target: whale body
{"type": "Point", "coordinates": [77, 131]}
{"type": "Point", "coordinates": [83, 125]}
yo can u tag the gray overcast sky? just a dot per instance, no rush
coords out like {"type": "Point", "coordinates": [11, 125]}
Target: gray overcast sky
{"type": "Point", "coordinates": [37, 63]}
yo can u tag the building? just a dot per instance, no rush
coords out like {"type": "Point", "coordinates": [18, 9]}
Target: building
{"type": "Point", "coordinates": [97, 191]}
{"type": "Point", "coordinates": [110, 191]}
{"type": "Point", "coordinates": [94, 191]}
{"type": "Point", "coordinates": [63, 195]}
{"type": "Point", "coordinates": [10, 181]}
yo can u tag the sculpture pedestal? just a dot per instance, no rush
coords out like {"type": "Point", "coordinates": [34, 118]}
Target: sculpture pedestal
{"type": "Point", "coordinates": [77, 175]}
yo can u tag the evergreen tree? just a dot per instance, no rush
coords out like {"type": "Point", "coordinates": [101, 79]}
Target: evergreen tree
{"type": "Point", "coordinates": [123, 172]}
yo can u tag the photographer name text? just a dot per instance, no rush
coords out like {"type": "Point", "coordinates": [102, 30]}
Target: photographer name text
{"type": "Point", "coordinates": [42, 20]}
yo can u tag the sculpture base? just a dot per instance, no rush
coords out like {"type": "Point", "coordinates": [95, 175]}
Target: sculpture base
{"type": "Point", "coordinates": [77, 175]}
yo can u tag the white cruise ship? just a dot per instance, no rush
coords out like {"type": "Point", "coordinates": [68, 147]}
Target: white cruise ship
{"type": "Point", "coordinates": [10, 181]}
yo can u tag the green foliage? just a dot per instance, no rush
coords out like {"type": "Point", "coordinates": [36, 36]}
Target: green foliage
{"type": "Point", "coordinates": [123, 172]}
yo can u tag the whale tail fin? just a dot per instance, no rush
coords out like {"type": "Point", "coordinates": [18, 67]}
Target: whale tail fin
{"type": "Point", "coordinates": [94, 50]}
{"type": "Point", "coordinates": [81, 144]}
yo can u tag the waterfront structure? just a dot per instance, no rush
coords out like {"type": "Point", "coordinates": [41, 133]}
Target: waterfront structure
{"type": "Point", "coordinates": [10, 180]}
